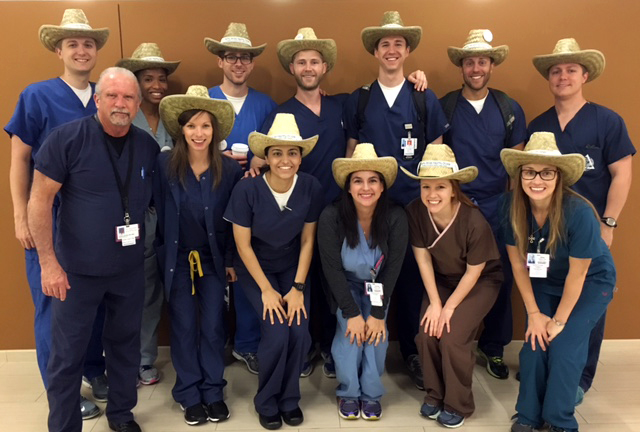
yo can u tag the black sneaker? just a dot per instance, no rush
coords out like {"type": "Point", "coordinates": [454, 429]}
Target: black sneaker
{"type": "Point", "coordinates": [130, 426]}
{"type": "Point", "coordinates": [495, 365]}
{"type": "Point", "coordinates": [99, 387]}
{"type": "Point", "coordinates": [217, 411]}
{"type": "Point", "coordinates": [415, 371]}
{"type": "Point", "coordinates": [195, 414]}
{"type": "Point", "coordinates": [270, 422]}
{"type": "Point", "coordinates": [249, 359]}
{"type": "Point", "coordinates": [293, 417]}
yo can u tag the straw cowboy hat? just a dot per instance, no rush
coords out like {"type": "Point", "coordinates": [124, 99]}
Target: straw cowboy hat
{"type": "Point", "coordinates": [568, 51]}
{"type": "Point", "coordinates": [235, 39]}
{"type": "Point", "coordinates": [477, 45]}
{"type": "Point", "coordinates": [197, 98]}
{"type": "Point", "coordinates": [284, 131]}
{"type": "Point", "coordinates": [542, 149]}
{"type": "Point", "coordinates": [306, 40]}
{"type": "Point", "coordinates": [391, 25]}
{"type": "Point", "coordinates": [365, 159]}
{"type": "Point", "coordinates": [74, 24]}
{"type": "Point", "coordinates": [439, 162]}
{"type": "Point", "coordinates": [147, 56]}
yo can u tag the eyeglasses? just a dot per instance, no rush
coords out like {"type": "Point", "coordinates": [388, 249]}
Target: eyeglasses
{"type": "Point", "coordinates": [233, 59]}
{"type": "Point", "coordinates": [529, 174]}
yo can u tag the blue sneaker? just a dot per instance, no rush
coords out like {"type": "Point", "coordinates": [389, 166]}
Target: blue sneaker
{"type": "Point", "coordinates": [450, 420]}
{"type": "Point", "coordinates": [370, 410]}
{"type": "Point", "coordinates": [349, 409]}
{"type": "Point", "coordinates": [579, 396]}
{"type": "Point", "coordinates": [429, 411]}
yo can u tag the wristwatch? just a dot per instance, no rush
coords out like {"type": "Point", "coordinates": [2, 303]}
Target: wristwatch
{"type": "Point", "coordinates": [299, 286]}
{"type": "Point", "coordinates": [609, 221]}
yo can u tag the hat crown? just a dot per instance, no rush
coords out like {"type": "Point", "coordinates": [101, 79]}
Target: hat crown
{"type": "Point", "coordinates": [479, 39]}
{"type": "Point", "coordinates": [74, 18]}
{"type": "Point", "coordinates": [236, 33]}
{"type": "Point", "coordinates": [284, 127]}
{"type": "Point", "coordinates": [147, 50]}
{"type": "Point", "coordinates": [438, 160]}
{"type": "Point", "coordinates": [306, 33]}
{"type": "Point", "coordinates": [364, 151]}
{"type": "Point", "coordinates": [567, 45]}
{"type": "Point", "coordinates": [542, 143]}
{"type": "Point", "coordinates": [198, 91]}
{"type": "Point", "coordinates": [391, 18]}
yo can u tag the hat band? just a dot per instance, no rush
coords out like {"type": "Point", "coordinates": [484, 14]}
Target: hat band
{"type": "Point", "coordinates": [152, 58]}
{"type": "Point", "coordinates": [392, 25]}
{"type": "Point", "coordinates": [545, 152]}
{"type": "Point", "coordinates": [437, 164]}
{"type": "Point", "coordinates": [235, 39]}
{"type": "Point", "coordinates": [286, 137]}
{"type": "Point", "coordinates": [77, 26]}
{"type": "Point", "coordinates": [477, 46]}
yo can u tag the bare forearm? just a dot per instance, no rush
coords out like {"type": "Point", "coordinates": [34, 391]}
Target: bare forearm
{"type": "Point", "coordinates": [306, 252]}
{"type": "Point", "coordinates": [41, 225]}
{"type": "Point", "coordinates": [466, 284]}
{"type": "Point", "coordinates": [248, 257]}
{"type": "Point", "coordinates": [522, 280]}
{"type": "Point", "coordinates": [617, 196]}
{"type": "Point", "coordinates": [425, 265]}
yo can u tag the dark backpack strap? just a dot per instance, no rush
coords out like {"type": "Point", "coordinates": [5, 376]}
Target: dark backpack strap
{"type": "Point", "coordinates": [448, 103]}
{"type": "Point", "coordinates": [504, 103]}
{"type": "Point", "coordinates": [420, 102]}
{"type": "Point", "coordinates": [363, 99]}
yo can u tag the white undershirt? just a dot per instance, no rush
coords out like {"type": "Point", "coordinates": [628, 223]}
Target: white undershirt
{"type": "Point", "coordinates": [237, 102]}
{"type": "Point", "coordinates": [391, 93]}
{"type": "Point", "coordinates": [478, 104]}
{"type": "Point", "coordinates": [84, 95]}
{"type": "Point", "coordinates": [282, 198]}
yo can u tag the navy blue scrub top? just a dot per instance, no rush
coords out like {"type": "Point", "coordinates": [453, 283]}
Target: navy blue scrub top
{"type": "Point", "coordinates": [582, 239]}
{"type": "Point", "coordinates": [384, 128]}
{"type": "Point", "coordinates": [596, 132]}
{"type": "Point", "coordinates": [332, 141]}
{"type": "Point", "coordinates": [275, 233]}
{"type": "Point", "coordinates": [75, 155]}
{"type": "Point", "coordinates": [477, 138]}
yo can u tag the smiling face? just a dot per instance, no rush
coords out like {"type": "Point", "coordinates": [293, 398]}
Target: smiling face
{"type": "Point", "coordinates": [308, 67]}
{"type": "Point", "coordinates": [365, 188]}
{"type": "Point", "coordinates": [476, 72]}
{"type": "Point", "coordinates": [236, 73]}
{"type": "Point", "coordinates": [198, 132]}
{"type": "Point", "coordinates": [283, 161]}
{"type": "Point", "coordinates": [566, 80]}
{"type": "Point", "coordinates": [153, 84]}
{"type": "Point", "coordinates": [437, 195]}
{"type": "Point", "coordinates": [391, 52]}
{"type": "Point", "coordinates": [78, 54]}
{"type": "Point", "coordinates": [117, 102]}
{"type": "Point", "coordinates": [537, 189]}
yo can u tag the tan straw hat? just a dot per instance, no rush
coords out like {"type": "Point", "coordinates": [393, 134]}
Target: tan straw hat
{"type": "Point", "coordinates": [478, 45]}
{"type": "Point", "coordinates": [391, 25]}
{"type": "Point", "coordinates": [568, 51]}
{"type": "Point", "coordinates": [147, 56]}
{"type": "Point", "coordinates": [197, 98]}
{"type": "Point", "coordinates": [236, 39]}
{"type": "Point", "coordinates": [365, 159]}
{"type": "Point", "coordinates": [284, 131]}
{"type": "Point", "coordinates": [306, 40]}
{"type": "Point", "coordinates": [439, 162]}
{"type": "Point", "coordinates": [542, 149]}
{"type": "Point", "coordinates": [74, 24]}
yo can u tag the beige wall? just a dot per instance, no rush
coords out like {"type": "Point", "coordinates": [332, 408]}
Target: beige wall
{"type": "Point", "coordinates": [529, 28]}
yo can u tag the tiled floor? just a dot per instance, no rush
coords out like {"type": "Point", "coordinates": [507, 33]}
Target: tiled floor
{"type": "Point", "coordinates": [613, 404]}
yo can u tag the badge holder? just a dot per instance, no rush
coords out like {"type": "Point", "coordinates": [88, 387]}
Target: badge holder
{"type": "Point", "coordinates": [538, 263]}
{"type": "Point", "coordinates": [373, 289]}
{"type": "Point", "coordinates": [408, 145]}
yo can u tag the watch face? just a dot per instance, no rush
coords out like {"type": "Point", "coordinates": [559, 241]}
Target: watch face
{"type": "Point", "coordinates": [609, 221]}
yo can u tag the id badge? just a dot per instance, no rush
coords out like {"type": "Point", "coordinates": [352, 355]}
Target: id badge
{"type": "Point", "coordinates": [375, 291]}
{"type": "Point", "coordinates": [538, 264]}
{"type": "Point", "coordinates": [127, 234]}
{"type": "Point", "coordinates": [408, 146]}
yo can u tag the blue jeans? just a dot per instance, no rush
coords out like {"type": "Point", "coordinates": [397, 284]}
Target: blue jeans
{"type": "Point", "coordinates": [358, 368]}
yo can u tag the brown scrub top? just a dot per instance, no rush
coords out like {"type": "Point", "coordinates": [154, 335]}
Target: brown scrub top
{"type": "Point", "coordinates": [469, 240]}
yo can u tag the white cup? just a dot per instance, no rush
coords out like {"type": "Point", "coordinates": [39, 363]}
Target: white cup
{"type": "Point", "coordinates": [239, 149]}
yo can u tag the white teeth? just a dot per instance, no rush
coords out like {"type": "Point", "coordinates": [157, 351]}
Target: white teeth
{"type": "Point", "coordinates": [434, 202]}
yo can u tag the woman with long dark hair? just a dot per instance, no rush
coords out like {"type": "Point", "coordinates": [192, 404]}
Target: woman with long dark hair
{"type": "Point", "coordinates": [565, 275]}
{"type": "Point", "coordinates": [192, 186]}
{"type": "Point", "coordinates": [460, 266]}
{"type": "Point", "coordinates": [362, 239]}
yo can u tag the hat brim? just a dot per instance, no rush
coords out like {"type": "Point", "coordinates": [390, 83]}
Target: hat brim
{"type": "Point", "coordinates": [135, 65]}
{"type": "Point", "coordinates": [288, 48]}
{"type": "Point", "coordinates": [465, 175]}
{"type": "Point", "coordinates": [218, 48]}
{"type": "Point", "coordinates": [387, 166]}
{"type": "Point", "coordinates": [572, 165]}
{"type": "Point", "coordinates": [371, 35]}
{"type": "Point", "coordinates": [171, 107]}
{"type": "Point", "coordinates": [498, 54]}
{"type": "Point", "coordinates": [258, 143]}
{"type": "Point", "coordinates": [50, 35]}
{"type": "Point", "coordinates": [592, 60]}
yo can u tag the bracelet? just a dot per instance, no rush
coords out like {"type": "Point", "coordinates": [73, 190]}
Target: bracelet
{"type": "Point", "coordinates": [556, 322]}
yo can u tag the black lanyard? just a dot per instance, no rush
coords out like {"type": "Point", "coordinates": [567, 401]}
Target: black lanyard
{"type": "Point", "coordinates": [123, 189]}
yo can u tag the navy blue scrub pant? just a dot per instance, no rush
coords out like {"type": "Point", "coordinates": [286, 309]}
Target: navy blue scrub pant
{"type": "Point", "coordinates": [408, 298]}
{"type": "Point", "coordinates": [549, 379]}
{"type": "Point", "coordinates": [71, 322]}
{"type": "Point", "coordinates": [282, 349]}
{"type": "Point", "coordinates": [247, 336]}
{"type": "Point", "coordinates": [197, 337]}
{"type": "Point", "coordinates": [595, 343]}
{"type": "Point", "coordinates": [323, 322]}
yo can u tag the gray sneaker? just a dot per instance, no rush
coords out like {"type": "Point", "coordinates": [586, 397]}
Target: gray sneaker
{"type": "Point", "coordinates": [148, 375]}
{"type": "Point", "coordinates": [88, 409]}
{"type": "Point", "coordinates": [99, 387]}
{"type": "Point", "coordinates": [249, 359]}
{"type": "Point", "coordinates": [519, 427]}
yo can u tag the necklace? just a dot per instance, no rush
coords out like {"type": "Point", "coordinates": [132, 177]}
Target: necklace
{"type": "Point", "coordinates": [532, 236]}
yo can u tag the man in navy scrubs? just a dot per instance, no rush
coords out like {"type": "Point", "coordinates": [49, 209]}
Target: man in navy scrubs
{"type": "Point", "coordinates": [601, 136]}
{"type": "Point", "coordinates": [100, 167]}
{"type": "Point", "coordinates": [43, 106]}
{"type": "Point", "coordinates": [483, 121]}
{"type": "Point", "coordinates": [390, 120]}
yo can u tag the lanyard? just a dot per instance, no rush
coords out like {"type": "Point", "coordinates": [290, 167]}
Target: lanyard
{"type": "Point", "coordinates": [122, 188]}
{"type": "Point", "coordinates": [376, 269]}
